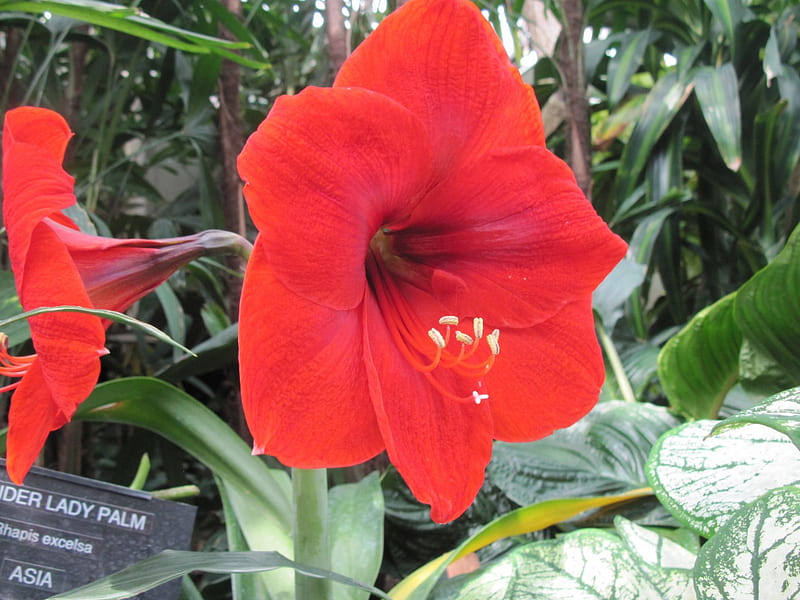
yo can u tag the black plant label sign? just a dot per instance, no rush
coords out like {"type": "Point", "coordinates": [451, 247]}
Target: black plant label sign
{"type": "Point", "coordinates": [59, 531]}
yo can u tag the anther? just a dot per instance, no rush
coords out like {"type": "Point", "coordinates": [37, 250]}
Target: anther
{"type": "Point", "coordinates": [494, 344]}
{"type": "Point", "coordinates": [477, 327]}
{"type": "Point", "coordinates": [448, 320]}
{"type": "Point", "coordinates": [464, 338]}
{"type": "Point", "coordinates": [437, 337]}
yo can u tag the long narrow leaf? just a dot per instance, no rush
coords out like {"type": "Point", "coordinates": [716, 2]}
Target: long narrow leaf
{"type": "Point", "coordinates": [717, 90]}
{"type": "Point", "coordinates": [170, 564]}
{"type": "Point", "coordinates": [111, 315]}
{"type": "Point", "coordinates": [523, 520]}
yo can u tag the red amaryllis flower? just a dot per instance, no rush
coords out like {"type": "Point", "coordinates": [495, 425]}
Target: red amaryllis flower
{"type": "Point", "coordinates": [55, 264]}
{"type": "Point", "coordinates": [423, 273]}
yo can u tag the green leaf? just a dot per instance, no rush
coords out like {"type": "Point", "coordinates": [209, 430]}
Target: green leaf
{"type": "Point", "coordinates": [173, 414]}
{"type": "Point", "coordinates": [418, 585]}
{"type": "Point", "coordinates": [589, 564]}
{"type": "Point", "coordinates": [704, 480]}
{"type": "Point", "coordinates": [111, 315]}
{"type": "Point", "coordinates": [356, 529]}
{"type": "Point", "coordinates": [767, 308]}
{"type": "Point", "coordinates": [211, 354]}
{"type": "Point", "coordinates": [699, 364]}
{"type": "Point", "coordinates": [605, 452]}
{"type": "Point", "coordinates": [717, 90]}
{"type": "Point", "coordinates": [756, 554]}
{"type": "Point", "coordinates": [610, 296]}
{"type": "Point", "coordinates": [728, 13]}
{"type": "Point", "coordinates": [247, 585]}
{"type": "Point", "coordinates": [625, 63]}
{"type": "Point", "coordinates": [781, 412]}
{"type": "Point", "coordinates": [173, 311]}
{"type": "Point", "coordinates": [666, 563]}
{"type": "Point", "coordinates": [17, 332]}
{"type": "Point", "coordinates": [663, 103]}
{"type": "Point", "coordinates": [169, 564]}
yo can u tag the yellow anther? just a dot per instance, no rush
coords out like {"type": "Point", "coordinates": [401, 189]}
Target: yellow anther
{"type": "Point", "coordinates": [437, 338]}
{"type": "Point", "coordinates": [464, 338]}
{"type": "Point", "coordinates": [448, 320]}
{"type": "Point", "coordinates": [494, 343]}
{"type": "Point", "coordinates": [477, 327]}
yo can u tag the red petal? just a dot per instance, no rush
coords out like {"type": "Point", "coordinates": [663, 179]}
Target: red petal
{"type": "Point", "coordinates": [35, 185]}
{"type": "Point", "coordinates": [442, 60]}
{"type": "Point", "coordinates": [304, 388]}
{"type": "Point", "coordinates": [440, 446]}
{"type": "Point", "coordinates": [323, 172]}
{"type": "Point", "coordinates": [511, 238]}
{"type": "Point", "coordinates": [69, 345]}
{"type": "Point", "coordinates": [33, 415]}
{"type": "Point", "coordinates": [116, 273]}
{"type": "Point", "coordinates": [546, 377]}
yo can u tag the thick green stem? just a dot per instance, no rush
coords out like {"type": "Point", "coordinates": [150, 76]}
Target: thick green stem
{"type": "Point", "coordinates": [311, 539]}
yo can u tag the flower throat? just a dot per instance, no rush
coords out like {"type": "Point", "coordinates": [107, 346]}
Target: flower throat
{"type": "Point", "coordinates": [427, 349]}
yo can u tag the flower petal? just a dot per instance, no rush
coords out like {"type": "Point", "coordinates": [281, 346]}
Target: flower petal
{"type": "Point", "coordinates": [32, 416]}
{"type": "Point", "coordinates": [547, 376]}
{"type": "Point", "coordinates": [323, 173]}
{"type": "Point", "coordinates": [510, 238]}
{"type": "Point", "coordinates": [442, 60]}
{"type": "Point", "coordinates": [35, 184]}
{"type": "Point", "coordinates": [69, 345]}
{"type": "Point", "coordinates": [116, 273]}
{"type": "Point", "coordinates": [440, 446]}
{"type": "Point", "coordinates": [304, 387]}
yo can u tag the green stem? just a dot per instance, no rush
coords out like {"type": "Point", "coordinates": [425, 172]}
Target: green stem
{"type": "Point", "coordinates": [311, 539]}
{"type": "Point", "coordinates": [616, 364]}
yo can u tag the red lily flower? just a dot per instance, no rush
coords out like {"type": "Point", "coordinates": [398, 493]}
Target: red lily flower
{"type": "Point", "coordinates": [55, 264]}
{"type": "Point", "coordinates": [412, 224]}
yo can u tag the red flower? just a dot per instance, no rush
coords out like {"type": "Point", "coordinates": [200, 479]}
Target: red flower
{"type": "Point", "coordinates": [417, 188]}
{"type": "Point", "coordinates": [55, 264]}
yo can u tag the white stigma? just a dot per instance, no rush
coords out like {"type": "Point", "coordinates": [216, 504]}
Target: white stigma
{"type": "Point", "coordinates": [479, 397]}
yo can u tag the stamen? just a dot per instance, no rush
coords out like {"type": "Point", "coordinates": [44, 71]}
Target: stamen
{"type": "Point", "coordinates": [494, 343]}
{"type": "Point", "coordinates": [448, 320]}
{"type": "Point", "coordinates": [12, 366]}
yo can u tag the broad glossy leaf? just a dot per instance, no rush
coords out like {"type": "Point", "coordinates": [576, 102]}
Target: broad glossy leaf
{"type": "Point", "coordinates": [356, 530]}
{"type": "Point", "coordinates": [663, 103]}
{"type": "Point", "coordinates": [704, 480]}
{"type": "Point", "coordinates": [418, 585]}
{"type": "Point", "coordinates": [604, 452]}
{"type": "Point", "coordinates": [756, 554]}
{"type": "Point", "coordinates": [170, 564]}
{"type": "Point", "coordinates": [717, 90]}
{"type": "Point", "coordinates": [667, 564]}
{"type": "Point", "coordinates": [699, 364]}
{"type": "Point", "coordinates": [781, 412]}
{"type": "Point", "coordinates": [176, 416]}
{"type": "Point", "coordinates": [767, 308]}
{"type": "Point", "coordinates": [589, 564]}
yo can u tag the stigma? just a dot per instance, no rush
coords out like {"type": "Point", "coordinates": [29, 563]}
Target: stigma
{"type": "Point", "coordinates": [14, 367]}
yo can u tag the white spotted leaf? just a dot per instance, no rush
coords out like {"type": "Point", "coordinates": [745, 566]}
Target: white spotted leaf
{"type": "Point", "coordinates": [703, 480]}
{"type": "Point", "coordinates": [756, 554]}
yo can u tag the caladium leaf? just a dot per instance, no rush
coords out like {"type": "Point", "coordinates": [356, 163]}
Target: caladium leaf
{"type": "Point", "coordinates": [756, 554]}
{"type": "Point", "coordinates": [704, 480]}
